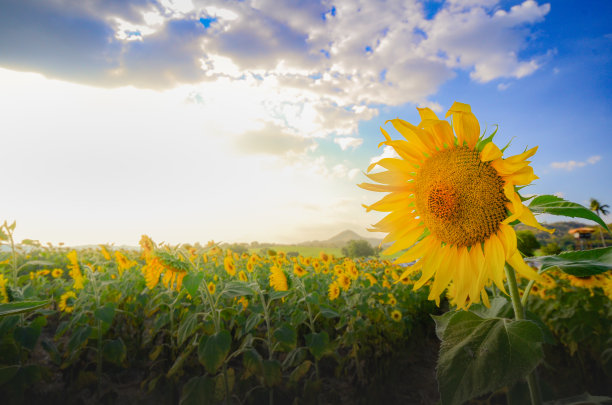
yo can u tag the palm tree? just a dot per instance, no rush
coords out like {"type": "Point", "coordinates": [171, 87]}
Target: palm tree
{"type": "Point", "coordinates": [603, 209]}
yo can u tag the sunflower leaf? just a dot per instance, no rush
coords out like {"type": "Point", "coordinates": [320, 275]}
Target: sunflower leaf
{"type": "Point", "coordinates": [550, 204]}
{"type": "Point", "coordinates": [14, 308]}
{"type": "Point", "coordinates": [482, 355]}
{"type": "Point", "coordinates": [582, 263]}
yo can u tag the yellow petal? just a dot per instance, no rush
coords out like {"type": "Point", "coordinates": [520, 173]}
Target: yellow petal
{"type": "Point", "coordinates": [507, 237]}
{"type": "Point", "coordinates": [430, 266]}
{"type": "Point", "coordinates": [416, 137]}
{"type": "Point", "coordinates": [518, 264]}
{"type": "Point", "coordinates": [494, 261]}
{"type": "Point", "coordinates": [391, 177]}
{"type": "Point", "coordinates": [419, 250]}
{"type": "Point", "coordinates": [522, 176]}
{"type": "Point", "coordinates": [490, 152]}
{"type": "Point", "coordinates": [528, 218]}
{"type": "Point", "coordinates": [465, 124]}
{"type": "Point", "coordinates": [408, 239]}
{"type": "Point", "coordinates": [427, 114]}
{"type": "Point", "coordinates": [390, 202]}
{"type": "Point", "coordinates": [445, 273]}
{"type": "Point", "coordinates": [523, 156]}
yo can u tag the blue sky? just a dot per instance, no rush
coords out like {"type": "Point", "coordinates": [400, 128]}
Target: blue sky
{"type": "Point", "coordinates": [253, 120]}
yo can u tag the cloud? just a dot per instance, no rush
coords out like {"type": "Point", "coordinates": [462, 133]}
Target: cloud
{"type": "Point", "coordinates": [347, 58]}
{"type": "Point", "coordinates": [559, 194]}
{"type": "Point", "coordinates": [572, 164]}
{"type": "Point", "coordinates": [388, 152]}
{"type": "Point", "coordinates": [273, 140]}
{"type": "Point", "coordinates": [346, 142]}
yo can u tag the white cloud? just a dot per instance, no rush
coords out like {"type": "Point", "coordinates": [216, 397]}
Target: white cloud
{"type": "Point", "coordinates": [346, 142]}
{"type": "Point", "coordinates": [559, 194]}
{"type": "Point", "coordinates": [503, 86]}
{"type": "Point", "coordinates": [573, 164]}
{"type": "Point", "coordinates": [388, 152]}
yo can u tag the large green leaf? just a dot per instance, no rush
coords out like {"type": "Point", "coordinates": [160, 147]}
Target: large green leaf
{"type": "Point", "coordinates": [13, 308]}
{"type": "Point", "coordinates": [550, 204]}
{"type": "Point", "coordinates": [114, 351]}
{"type": "Point", "coordinates": [482, 355]}
{"type": "Point", "coordinates": [214, 349]}
{"type": "Point", "coordinates": [27, 336]}
{"type": "Point", "coordinates": [317, 344]}
{"type": "Point", "coordinates": [188, 325]}
{"type": "Point", "coordinates": [582, 263]}
{"type": "Point", "coordinates": [286, 335]}
{"type": "Point", "coordinates": [272, 373]}
{"type": "Point", "coordinates": [198, 391]}
{"type": "Point", "coordinates": [192, 282]}
{"type": "Point", "coordinates": [106, 313]}
{"type": "Point", "coordinates": [237, 289]}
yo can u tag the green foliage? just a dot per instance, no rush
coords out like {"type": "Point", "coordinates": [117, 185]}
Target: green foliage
{"type": "Point", "coordinates": [358, 248]}
{"type": "Point", "coordinates": [479, 355]}
{"type": "Point", "coordinates": [551, 249]}
{"type": "Point", "coordinates": [582, 263]}
{"type": "Point", "coordinates": [550, 204]}
{"type": "Point", "coordinates": [527, 242]}
{"type": "Point", "coordinates": [14, 308]}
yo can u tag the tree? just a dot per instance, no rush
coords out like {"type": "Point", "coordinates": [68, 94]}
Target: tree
{"type": "Point", "coordinates": [527, 242]}
{"type": "Point", "coordinates": [358, 248]}
{"type": "Point", "coordinates": [551, 249]}
{"type": "Point", "coordinates": [600, 210]}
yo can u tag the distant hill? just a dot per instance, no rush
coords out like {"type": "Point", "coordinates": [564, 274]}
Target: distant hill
{"type": "Point", "coordinates": [340, 240]}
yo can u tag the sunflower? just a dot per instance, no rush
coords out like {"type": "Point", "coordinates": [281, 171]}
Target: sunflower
{"type": "Point", "coordinates": [242, 276]}
{"type": "Point", "coordinates": [3, 293]}
{"type": "Point", "coordinates": [396, 315]}
{"type": "Point", "coordinates": [278, 279]}
{"type": "Point", "coordinates": [105, 252]}
{"type": "Point", "coordinates": [75, 270]}
{"type": "Point", "coordinates": [228, 264]}
{"type": "Point", "coordinates": [370, 278]}
{"type": "Point", "coordinates": [334, 291]}
{"type": "Point", "coordinates": [56, 273]}
{"type": "Point", "coordinates": [123, 263]}
{"type": "Point", "coordinates": [585, 282]}
{"type": "Point", "coordinates": [344, 281]}
{"type": "Point", "coordinates": [212, 287]}
{"type": "Point", "coordinates": [298, 270]}
{"type": "Point", "coordinates": [451, 200]}
{"type": "Point", "coordinates": [66, 302]}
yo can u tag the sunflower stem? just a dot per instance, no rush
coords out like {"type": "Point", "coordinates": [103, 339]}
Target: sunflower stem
{"type": "Point", "coordinates": [519, 313]}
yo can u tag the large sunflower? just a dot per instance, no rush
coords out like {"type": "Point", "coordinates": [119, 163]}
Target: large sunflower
{"type": "Point", "coordinates": [451, 200]}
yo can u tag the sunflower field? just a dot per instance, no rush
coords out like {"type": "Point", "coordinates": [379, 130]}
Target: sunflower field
{"type": "Point", "coordinates": [191, 324]}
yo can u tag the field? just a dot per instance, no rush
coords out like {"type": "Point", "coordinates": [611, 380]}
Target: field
{"type": "Point", "coordinates": [194, 325]}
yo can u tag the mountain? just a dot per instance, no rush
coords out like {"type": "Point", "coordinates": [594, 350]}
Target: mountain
{"type": "Point", "coordinates": [341, 239]}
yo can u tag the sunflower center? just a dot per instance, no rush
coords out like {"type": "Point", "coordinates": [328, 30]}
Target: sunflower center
{"type": "Point", "coordinates": [459, 198]}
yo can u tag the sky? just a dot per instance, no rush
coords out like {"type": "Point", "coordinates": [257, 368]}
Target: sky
{"type": "Point", "coordinates": [254, 120]}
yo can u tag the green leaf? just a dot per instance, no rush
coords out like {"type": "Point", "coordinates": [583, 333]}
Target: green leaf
{"type": "Point", "coordinates": [287, 336]}
{"type": "Point", "coordinates": [500, 308]}
{"type": "Point", "coordinates": [251, 322]}
{"type": "Point", "coordinates": [198, 391]}
{"type": "Point", "coordinates": [441, 322]}
{"type": "Point", "coordinates": [106, 313]}
{"type": "Point", "coordinates": [28, 336]}
{"type": "Point", "coordinates": [582, 263]}
{"type": "Point", "coordinates": [6, 373]}
{"type": "Point", "coordinates": [78, 338]}
{"type": "Point", "coordinates": [317, 343]}
{"type": "Point", "coordinates": [481, 355]}
{"type": "Point", "coordinates": [272, 373]}
{"type": "Point", "coordinates": [188, 325]}
{"type": "Point", "coordinates": [192, 282]}
{"type": "Point", "coordinates": [583, 399]}
{"type": "Point", "coordinates": [274, 295]}
{"type": "Point", "coordinates": [13, 308]}
{"type": "Point", "coordinates": [300, 371]}
{"type": "Point", "coordinates": [328, 312]}
{"type": "Point", "coordinates": [252, 361]}
{"type": "Point", "coordinates": [237, 289]}
{"type": "Point", "coordinates": [213, 350]}
{"type": "Point", "coordinates": [550, 204]}
{"type": "Point", "coordinates": [114, 351]}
